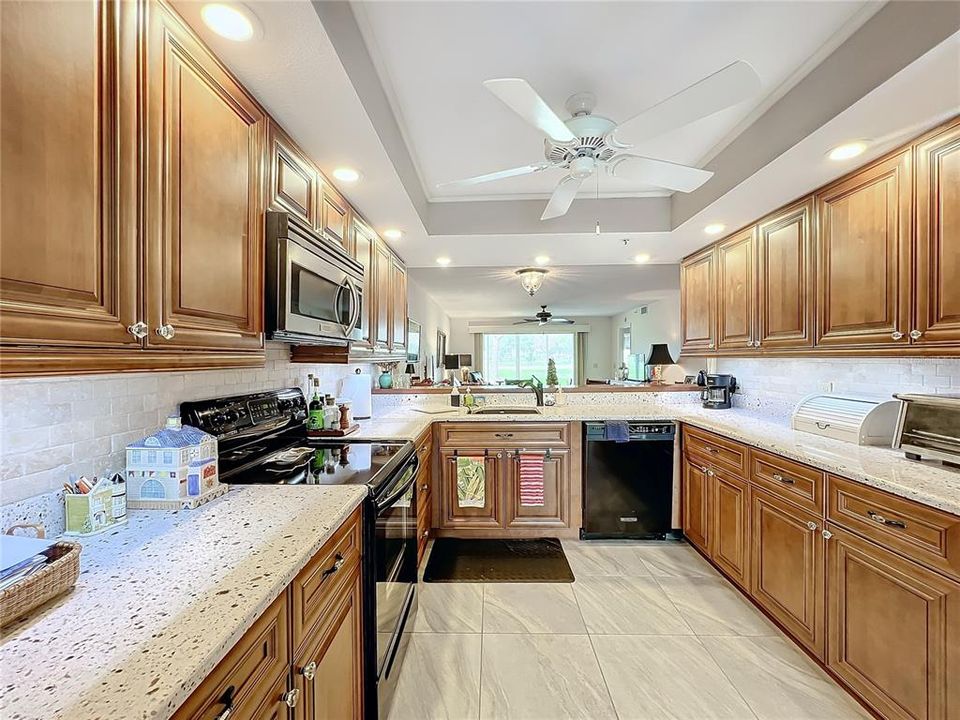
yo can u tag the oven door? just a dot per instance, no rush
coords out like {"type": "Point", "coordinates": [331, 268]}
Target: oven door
{"type": "Point", "coordinates": [321, 298]}
{"type": "Point", "coordinates": [395, 578]}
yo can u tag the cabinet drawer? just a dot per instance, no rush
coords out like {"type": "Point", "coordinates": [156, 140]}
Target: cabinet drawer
{"type": "Point", "coordinates": [313, 589]}
{"type": "Point", "coordinates": [248, 676]}
{"type": "Point", "coordinates": [504, 435]}
{"type": "Point", "coordinates": [789, 480]}
{"type": "Point", "coordinates": [928, 536]}
{"type": "Point", "coordinates": [727, 453]}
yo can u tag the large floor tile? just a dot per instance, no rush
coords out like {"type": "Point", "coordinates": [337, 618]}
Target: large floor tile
{"type": "Point", "coordinates": [439, 679]}
{"type": "Point", "coordinates": [534, 677]}
{"type": "Point", "coordinates": [713, 607]}
{"type": "Point", "coordinates": [666, 677]}
{"type": "Point", "coordinates": [674, 560]}
{"type": "Point", "coordinates": [598, 558]}
{"type": "Point", "coordinates": [628, 606]}
{"type": "Point", "coordinates": [449, 608]}
{"type": "Point", "coordinates": [531, 608]}
{"type": "Point", "coordinates": [779, 682]}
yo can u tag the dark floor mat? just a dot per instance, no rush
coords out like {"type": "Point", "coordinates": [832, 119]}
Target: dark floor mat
{"type": "Point", "coordinates": [518, 561]}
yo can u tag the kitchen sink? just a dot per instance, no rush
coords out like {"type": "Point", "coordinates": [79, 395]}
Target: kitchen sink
{"type": "Point", "coordinates": [501, 410]}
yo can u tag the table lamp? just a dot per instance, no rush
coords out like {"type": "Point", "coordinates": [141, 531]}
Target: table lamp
{"type": "Point", "coordinates": [659, 356]}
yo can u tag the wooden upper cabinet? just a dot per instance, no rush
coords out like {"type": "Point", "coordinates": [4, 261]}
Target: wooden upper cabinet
{"type": "Point", "coordinates": [938, 239]}
{"type": "Point", "coordinates": [736, 297]}
{"type": "Point", "coordinates": [398, 304]}
{"type": "Point", "coordinates": [382, 270]}
{"type": "Point", "coordinates": [698, 301]}
{"type": "Point", "coordinates": [364, 244]}
{"type": "Point", "coordinates": [68, 179]}
{"type": "Point", "coordinates": [864, 256]}
{"type": "Point", "coordinates": [204, 204]}
{"type": "Point", "coordinates": [335, 216]}
{"type": "Point", "coordinates": [294, 182]}
{"type": "Point", "coordinates": [785, 287]}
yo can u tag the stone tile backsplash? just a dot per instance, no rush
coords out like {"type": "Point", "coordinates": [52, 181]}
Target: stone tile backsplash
{"type": "Point", "coordinates": [51, 428]}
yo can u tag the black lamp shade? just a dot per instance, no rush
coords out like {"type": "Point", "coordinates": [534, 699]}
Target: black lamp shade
{"type": "Point", "coordinates": [455, 362]}
{"type": "Point", "coordinates": [410, 369]}
{"type": "Point", "coordinates": [659, 355]}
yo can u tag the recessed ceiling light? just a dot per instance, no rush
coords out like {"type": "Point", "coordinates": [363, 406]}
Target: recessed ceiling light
{"type": "Point", "coordinates": [346, 174]}
{"type": "Point", "coordinates": [229, 20]}
{"type": "Point", "coordinates": [714, 228]}
{"type": "Point", "coordinates": [541, 259]}
{"type": "Point", "coordinates": [641, 258]}
{"type": "Point", "coordinates": [393, 234]}
{"type": "Point", "coordinates": [847, 150]}
{"type": "Point", "coordinates": [443, 261]}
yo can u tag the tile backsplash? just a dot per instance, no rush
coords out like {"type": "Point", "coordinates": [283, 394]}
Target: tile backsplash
{"type": "Point", "coordinates": [51, 428]}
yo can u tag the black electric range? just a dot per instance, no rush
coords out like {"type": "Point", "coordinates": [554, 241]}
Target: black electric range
{"type": "Point", "coordinates": [262, 440]}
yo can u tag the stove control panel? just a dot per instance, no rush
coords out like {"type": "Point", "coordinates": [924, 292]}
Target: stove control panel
{"type": "Point", "coordinates": [246, 414]}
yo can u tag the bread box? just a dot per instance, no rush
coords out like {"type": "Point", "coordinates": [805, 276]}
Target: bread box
{"type": "Point", "coordinates": [859, 420]}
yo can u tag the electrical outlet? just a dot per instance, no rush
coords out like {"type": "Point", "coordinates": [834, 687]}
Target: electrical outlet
{"type": "Point", "coordinates": [825, 386]}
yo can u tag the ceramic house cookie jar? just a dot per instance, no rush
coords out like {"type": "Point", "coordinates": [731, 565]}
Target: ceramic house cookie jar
{"type": "Point", "coordinates": [173, 468]}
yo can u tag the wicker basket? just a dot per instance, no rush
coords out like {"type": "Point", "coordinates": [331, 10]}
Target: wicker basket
{"type": "Point", "coordinates": [56, 577]}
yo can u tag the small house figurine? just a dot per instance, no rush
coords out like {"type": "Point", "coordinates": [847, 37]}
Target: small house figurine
{"type": "Point", "coordinates": [176, 467]}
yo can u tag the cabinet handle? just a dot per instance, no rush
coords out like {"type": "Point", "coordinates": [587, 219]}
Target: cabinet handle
{"type": "Point", "coordinates": [896, 335]}
{"type": "Point", "coordinates": [711, 450]}
{"type": "Point", "coordinates": [811, 525]}
{"type": "Point", "coordinates": [785, 480]}
{"type": "Point", "coordinates": [710, 346]}
{"type": "Point", "coordinates": [499, 454]}
{"type": "Point", "coordinates": [424, 487]}
{"type": "Point", "coordinates": [309, 670]}
{"type": "Point", "coordinates": [710, 473]}
{"type": "Point", "coordinates": [337, 564]}
{"type": "Point", "coordinates": [916, 334]}
{"type": "Point", "coordinates": [878, 518]}
{"type": "Point", "coordinates": [822, 425]}
{"type": "Point", "coordinates": [166, 332]}
{"type": "Point", "coordinates": [139, 330]}
{"type": "Point", "coordinates": [227, 701]}
{"type": "Point", "coordinates": [756, 343]}
{"type": "Point", "coordinates": [827, 534]}
{"type": "Point", "coordinates": [292, 697]}
{"type": "Point", "coordinates": [503, 435]}
{"type": "Point", "coordinates": [703, 468]}
{"type": "Point", "coordinates": [425, 534]}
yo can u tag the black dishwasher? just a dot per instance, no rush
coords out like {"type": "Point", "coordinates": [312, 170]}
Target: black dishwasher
{"type": "Point", "coordinates": [628, 486]}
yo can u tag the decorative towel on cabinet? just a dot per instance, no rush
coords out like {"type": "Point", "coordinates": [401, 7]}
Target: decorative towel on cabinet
{"type": "Point", "coordinates": [616, 430]}
{"type": "Point", "coordinates": [471, 481]}
{"type": "Point", "coordinates": [531, 479]}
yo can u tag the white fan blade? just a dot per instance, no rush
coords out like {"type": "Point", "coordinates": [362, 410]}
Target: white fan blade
{"type": "Point", "coordinates": [726, 87]}
{"type": "Point", "coordinates": [499, 175]}
{"type": "Point", "coordinates": [659, 172]}
{"type": "Point", "coordinates": [562, 197]}
{"type": "Point", "coordinates": [517, 95]}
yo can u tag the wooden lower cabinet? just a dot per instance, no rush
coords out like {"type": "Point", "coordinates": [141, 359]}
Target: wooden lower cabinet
{"type": "Point", "coordinates": [424, 483]}
{"type": "Point", "coordinates": [470, 508]}
{"type": "Point", "coordinates": [787, 567]}
{"type": "Point", "coordinates": [555, 510]}
{"type": "Point", "coordinates": [695, 502]}
{"type": "Point", "coordinates": [729, 532]}
{"type": "Point", "coordinates": [894, 630]}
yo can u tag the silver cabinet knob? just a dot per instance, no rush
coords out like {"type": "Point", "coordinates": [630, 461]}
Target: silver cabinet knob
{"type": "Point", "coordinates": [703, 468]}
{"type": "Point", "coordinates": [896, 335]}
{"type": "Point", "coordinates": [139, 330]}
{"type": "Point", "coordinates": [166, 332]}
{"type": "Point", "coordinates": [756, 343]}
{"type": "Point", "coordinates": [916, 334]}
{"type": "Point", "coordinates": [309, 670]}
{"type": "Point", "coordinates": [811, 525]}
{"type": "Point", "coordinates": [710, 473]}
{"type": "Point", "coordinates": [425, 534]}
{"type": "Point", "coordinates": [827, 534]}
{"type": "Point", "coordinates": [292, 697]}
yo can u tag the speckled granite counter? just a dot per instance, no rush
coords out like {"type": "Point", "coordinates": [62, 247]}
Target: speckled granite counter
{"type": "Point", "coordinates": [883, 468]}
{"type": "Point", "coordinates": [160, 602]}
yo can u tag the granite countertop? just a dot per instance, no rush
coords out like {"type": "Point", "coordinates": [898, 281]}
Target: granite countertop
{"type": "Point", "coordinates": [926, 482]}
{"type": "Point", "coordinates": [161, 601]}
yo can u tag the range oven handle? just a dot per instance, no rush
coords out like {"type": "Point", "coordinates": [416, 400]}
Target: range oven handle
{"type": "Point", "coordinates": [412, 466]}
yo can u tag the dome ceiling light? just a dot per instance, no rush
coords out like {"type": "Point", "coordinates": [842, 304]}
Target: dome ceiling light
{"type": "Point", "coordinates": [531, 279]}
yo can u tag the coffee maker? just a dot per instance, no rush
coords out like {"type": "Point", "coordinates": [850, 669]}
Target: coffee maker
{"type": "Point", "coordinates": [718, 392]}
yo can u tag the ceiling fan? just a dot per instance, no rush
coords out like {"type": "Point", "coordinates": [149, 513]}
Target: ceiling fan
{"type": "Point", "coordinates": [544, 317]}
{"type": "Point", "coordinates": [587, 142]}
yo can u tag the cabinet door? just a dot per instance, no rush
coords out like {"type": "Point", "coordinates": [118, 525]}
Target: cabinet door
{"type": "Point", "coordinates": [785, 287]}
{"type": "Point", "coordinates": [787, 570]}
{"type": "Point", "coordinates": [894, 630]}
{"type": "Point", "coordinates": [554, 511]}
{"type": "Point", "coordinates": [205, 149]}
{"type": "Point", "coordinates": [68, 173]}
{"type": "Point", "coordinates": [736, 297]}
{"type": "Point", "coordinates": [698, 301]}
{"type": "Point", "coordinates": [470, 503]}
{"type": "Point", "coordinates": [938, 239]}
{"type": "Point", "coordinates": [729, 533]}
{"type": "Point", "coordinates": [695, 503]}
{"type": "Point", "coordinates": [363, 250]}
{"type": "Point", "coordinates": [382, 268]}
{"type": "Point", "coordinates": [329, 673]}
{"type": "Point", "coordinates": [335, 212]}
{"type": "Point", "coordinates": [293, 179]}
{"type": "Point", "coordinates": [398, 305]}
{"type": "Point", "coordinates": [863, 256]}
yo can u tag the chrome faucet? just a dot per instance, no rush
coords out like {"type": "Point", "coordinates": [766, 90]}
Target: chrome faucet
{"type": "Point", "coordinates": [534, 384]}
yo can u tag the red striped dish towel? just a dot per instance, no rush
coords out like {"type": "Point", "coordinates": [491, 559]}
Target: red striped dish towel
{"type": "Point", "coordinates": [531, 479]}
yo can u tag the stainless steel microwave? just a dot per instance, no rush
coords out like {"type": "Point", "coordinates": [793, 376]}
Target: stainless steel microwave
{"type": "Point", "coordinates": [314, 291]}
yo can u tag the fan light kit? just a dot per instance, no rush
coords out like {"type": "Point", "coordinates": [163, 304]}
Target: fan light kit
{"type": "Point", "coordinates": [346, 174]}
{"type": "Point", "coordinates": [848, 150]}
{"type": "Point", "coordinates": [714, 228]}
{"type": "Point", "coordinates": [230, 21]}
{"type": "Point", "coordinates": [585, 143]}
{"type": "Point", "coordinates": [531, 279]}
{"type": "Point", "coordinates": [544, 317]}
{"type": "Point", "coordinates": [393, 234]}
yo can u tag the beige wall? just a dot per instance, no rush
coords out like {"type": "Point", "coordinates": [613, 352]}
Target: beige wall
{"type": "Point", "coordinates": [426, 311]}
{"type": "Point", "coordinates": [659, 324]}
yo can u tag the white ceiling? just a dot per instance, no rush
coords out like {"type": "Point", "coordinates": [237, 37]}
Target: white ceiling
{"type": "Point", "coordinates": [433, 56]}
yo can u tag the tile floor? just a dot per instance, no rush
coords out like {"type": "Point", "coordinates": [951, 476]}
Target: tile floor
{"type": "Point", "coordinates": [647, 631]}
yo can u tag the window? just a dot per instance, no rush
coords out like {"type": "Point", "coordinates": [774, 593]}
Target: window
{"type": "Point", "coordinates": [625, 346]}
{"type": "Point", "coordinates": [627, 356]}
{"type": "Point", "coordinates": [517, 357]}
